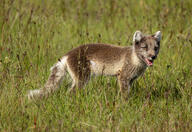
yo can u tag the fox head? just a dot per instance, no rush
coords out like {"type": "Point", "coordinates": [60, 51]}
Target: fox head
{"type": "Point", "coordinates": [146, 47]}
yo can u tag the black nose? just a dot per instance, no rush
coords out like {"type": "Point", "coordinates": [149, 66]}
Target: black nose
{"type": "Point", "coordinates": [153, 57]}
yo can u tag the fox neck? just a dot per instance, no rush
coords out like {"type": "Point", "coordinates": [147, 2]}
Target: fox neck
{"type": "Point", "coordinates": [136, 61]}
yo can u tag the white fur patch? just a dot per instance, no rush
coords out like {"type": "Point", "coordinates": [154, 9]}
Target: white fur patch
{"type": "Point", "coordinates": [158, 35]}
{"type": "Point", "coordinates": [72, 75]}
{"type": "Point", "coordinates": [137, 36]}
{"type": "Point", "coordinates": [31, 93]}
{"type": "Point", "coordinates": [92, 63]}
{"type": "Point", "coordinates": [61, 63]}
{"type": "Point", "coordinates": [94, 68]}
{"type": "Point", "coordinates": [135, 60]}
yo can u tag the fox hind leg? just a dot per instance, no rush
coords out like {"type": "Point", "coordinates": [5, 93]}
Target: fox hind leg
{"type": "Point", "coordinates": [74, 79]}
{"type": "Point", "coordinates": [77, 80]}
{"type": "Point", "coordinates": [79, 72]}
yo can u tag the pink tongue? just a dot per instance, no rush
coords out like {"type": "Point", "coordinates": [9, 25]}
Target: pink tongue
{"type": "Point", "coordinates": [148, 62]}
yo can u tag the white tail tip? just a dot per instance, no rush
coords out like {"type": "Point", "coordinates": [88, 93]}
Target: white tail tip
{"type": "Point", "coordinates": [32, 93]}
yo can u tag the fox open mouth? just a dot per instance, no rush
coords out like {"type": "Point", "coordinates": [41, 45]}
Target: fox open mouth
{"type": "Point", "coordinates": [148, 62]}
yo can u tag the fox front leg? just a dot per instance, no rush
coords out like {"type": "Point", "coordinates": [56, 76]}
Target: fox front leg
{"type": "Point", "coordinates": [125, 86]}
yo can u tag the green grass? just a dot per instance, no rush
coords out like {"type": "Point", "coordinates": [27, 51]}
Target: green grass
{"type": "Point", "coordinates": [34, 34]}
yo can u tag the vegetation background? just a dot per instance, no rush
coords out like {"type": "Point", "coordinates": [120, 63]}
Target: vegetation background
{"type": "Point", "coordinates": [35, 33]}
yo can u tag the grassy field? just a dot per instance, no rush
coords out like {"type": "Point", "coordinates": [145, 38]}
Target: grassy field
{"type": "Point", "coordinates": [34, 34]}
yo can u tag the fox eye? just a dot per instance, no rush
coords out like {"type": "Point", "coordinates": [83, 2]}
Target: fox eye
{"type": "Point", "coordinates": [144, 46]}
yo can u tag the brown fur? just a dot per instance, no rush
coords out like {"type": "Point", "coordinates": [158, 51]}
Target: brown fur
{"type": "Point", "coordinates": [126, 63]}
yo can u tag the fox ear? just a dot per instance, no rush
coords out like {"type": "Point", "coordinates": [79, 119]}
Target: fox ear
{"type": "Point", "coordinates": [137, 36]}
{"type": "Point", "coordinates": [158, 36]}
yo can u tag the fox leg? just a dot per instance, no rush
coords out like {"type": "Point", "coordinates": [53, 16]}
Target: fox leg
{"type": "Point", "coordinates": [79, 70]}
{"type": "Point", "coordinates": [74, 79]}
{"type": "Point", "coordinates": [79, 77]}
{"type": "Point", "coordinates": [125, 85]}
